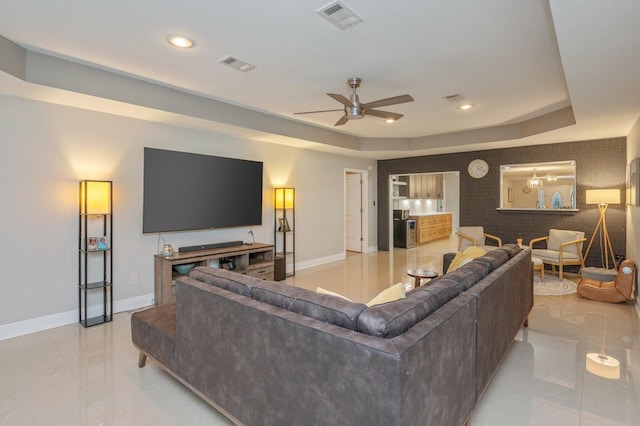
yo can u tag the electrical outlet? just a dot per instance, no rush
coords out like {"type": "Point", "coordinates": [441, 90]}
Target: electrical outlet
{"type": "Point", "coordinates": [133, 279]}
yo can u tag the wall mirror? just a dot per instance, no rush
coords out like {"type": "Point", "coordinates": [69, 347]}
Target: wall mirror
{"type": "Point", "coordinates": [547, 186]}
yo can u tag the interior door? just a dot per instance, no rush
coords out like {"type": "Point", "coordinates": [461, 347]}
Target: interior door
{"type": "Point", "coordinates": [353, 213]}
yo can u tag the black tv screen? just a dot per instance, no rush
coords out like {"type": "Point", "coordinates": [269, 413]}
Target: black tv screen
{"type": "Point", "coordinates": [184, 191]}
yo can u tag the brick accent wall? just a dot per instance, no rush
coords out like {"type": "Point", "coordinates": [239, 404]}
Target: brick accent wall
{"type": "Point", "coordinates": [599, 164]}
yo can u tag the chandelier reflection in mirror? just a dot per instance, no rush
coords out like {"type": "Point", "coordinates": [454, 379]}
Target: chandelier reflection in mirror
{"type": "Point", "coordinates": [535, 181]}
{"type": "Point", "coordinates": [539, 186]}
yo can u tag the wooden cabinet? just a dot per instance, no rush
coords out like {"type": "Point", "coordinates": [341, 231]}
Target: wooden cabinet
{"type": "Point", "coordinates": [429, 186]}
{"type": "Point", "coordinates": [433, 227]}
{"type": "Point", "coordinates": [255, 260]}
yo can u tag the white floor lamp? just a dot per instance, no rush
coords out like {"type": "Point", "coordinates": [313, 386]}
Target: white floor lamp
{"type": "Point", "coordinates": [603, 197]}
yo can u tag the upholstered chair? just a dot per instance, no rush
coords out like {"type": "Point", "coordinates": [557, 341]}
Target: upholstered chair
{"type": "Point", "coordinates": [564, 248]}
{"type": "Point", "coordinates": [469, 236]}
{"type": "Point", "coordinates": [617, 291]}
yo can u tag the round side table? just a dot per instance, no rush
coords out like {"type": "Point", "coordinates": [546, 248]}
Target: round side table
{"type": "Point", "coordinates": [419, 274]}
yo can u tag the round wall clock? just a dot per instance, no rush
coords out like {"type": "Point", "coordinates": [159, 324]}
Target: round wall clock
{"type": "Point", "coordinates": [478, 168]}
{"type": "Point", "coordinates": [526, 189]}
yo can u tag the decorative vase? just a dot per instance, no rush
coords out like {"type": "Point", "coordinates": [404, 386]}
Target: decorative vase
{"type": "Point", "coordinates": [519, 241]}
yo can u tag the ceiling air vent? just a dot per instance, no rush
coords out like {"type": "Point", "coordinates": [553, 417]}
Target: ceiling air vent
{"type": "Point", "coordinates": [236, 63]}
{"type": "Point", "coordinates": [456, 97]}
{"type": "Point", "coordinates": [340, 15]}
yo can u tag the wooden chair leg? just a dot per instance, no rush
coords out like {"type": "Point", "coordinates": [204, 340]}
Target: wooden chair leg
{"type": "Point", "coordinates": [142, 360]}
{"type": "Point", "coordinates": [560, 274]}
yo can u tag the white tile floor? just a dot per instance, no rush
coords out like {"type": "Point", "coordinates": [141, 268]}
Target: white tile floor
{"type": "Point", "coordinates": [75, 376]}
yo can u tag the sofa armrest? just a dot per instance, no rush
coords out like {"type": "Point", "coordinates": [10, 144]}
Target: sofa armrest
{"type": "Point", "coordinates": [570, 243]}
{"type": "Point", "coordinates": [493, 237]}
{"type": "Point", "coordinates": [536, 240]}
{"type": "Point", "coordinates": [462, 236]}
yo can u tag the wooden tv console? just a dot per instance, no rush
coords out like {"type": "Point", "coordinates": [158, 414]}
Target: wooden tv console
{"type": "Point", "coordinates": [255, 260]}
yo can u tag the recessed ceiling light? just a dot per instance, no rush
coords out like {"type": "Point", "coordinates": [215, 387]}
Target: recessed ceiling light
{"type": "Point", "coordinates": [181, 41]}
{"type": "Point", "coordinates": [465, 106]}
{"type": "Point", "coordinates": [390, 120]}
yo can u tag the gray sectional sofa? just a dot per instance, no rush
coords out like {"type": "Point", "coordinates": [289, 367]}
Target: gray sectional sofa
{"type": "Point", "coordinates": [267, 353]}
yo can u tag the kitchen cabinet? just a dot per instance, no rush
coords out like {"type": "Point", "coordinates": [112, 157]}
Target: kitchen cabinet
{"type": "Point", "coordinates": [433, 227]}
{"type": "Point", "coordinates": [429, 186]}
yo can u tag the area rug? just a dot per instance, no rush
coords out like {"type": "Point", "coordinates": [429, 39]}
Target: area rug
{"type": "Point", "coordinates": [552, 286]}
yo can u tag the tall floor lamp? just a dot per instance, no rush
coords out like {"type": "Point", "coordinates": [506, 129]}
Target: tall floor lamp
{"type": "Point", "coordinates": [603, 197]}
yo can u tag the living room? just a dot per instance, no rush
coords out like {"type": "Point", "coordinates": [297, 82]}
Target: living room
{"type": "Point", "coordinates": [54, 135]}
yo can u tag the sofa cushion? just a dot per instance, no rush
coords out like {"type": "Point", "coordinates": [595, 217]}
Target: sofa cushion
{"type": "Point", "coordinates": [154, 331]}
{"type": "Point", "coordinates": [493, 259]}
{"type": "Point", "coordinates": [323, 307]}
{"type": "Point", "coordinates": [466, 276]}
{"type": "Point", "coordinates": [394, 318]}
{"type": "Point", "coordinates": [224, 279]}
{"type": "Point", "coordinates": [511, 249]}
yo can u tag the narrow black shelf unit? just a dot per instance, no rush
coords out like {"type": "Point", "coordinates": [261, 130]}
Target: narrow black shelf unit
{"type": "Point", "coordinates": [284, 202]}
{"type": "Point", "coordinates": [95, 262]}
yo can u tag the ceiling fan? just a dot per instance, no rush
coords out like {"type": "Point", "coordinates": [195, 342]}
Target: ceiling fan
{"type": "Point", "coordinates": [354, 110]}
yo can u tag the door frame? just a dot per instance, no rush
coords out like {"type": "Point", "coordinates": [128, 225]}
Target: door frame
{"type": "Point", "coordinates": [364, 212]}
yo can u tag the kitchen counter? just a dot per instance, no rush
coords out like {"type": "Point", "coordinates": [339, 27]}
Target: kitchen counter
{"type": "Point", "coordinates": [427, 214]}
{"type": "Point", "coordinates": [432, 226]}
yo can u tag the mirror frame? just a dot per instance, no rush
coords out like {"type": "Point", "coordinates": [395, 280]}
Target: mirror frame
{"type": "Point", "coordinates": [545, 171]}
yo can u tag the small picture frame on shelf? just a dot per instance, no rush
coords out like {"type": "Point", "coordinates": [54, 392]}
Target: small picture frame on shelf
{"type": "Point", "coordinates": [103, 242]}
{"type": "Point", "coordinates": [92, 243]}
{"type": "Point", "coordinates": [284, 224]}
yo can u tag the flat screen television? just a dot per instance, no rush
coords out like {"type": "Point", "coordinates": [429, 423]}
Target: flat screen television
{"type": "Point", "coordinates": [185, 191]}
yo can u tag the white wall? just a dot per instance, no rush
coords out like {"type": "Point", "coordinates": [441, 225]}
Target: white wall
{"type": "Point", "coordinates": [46, 149]}
{"type": "Point", "coordinates": [633, 212]}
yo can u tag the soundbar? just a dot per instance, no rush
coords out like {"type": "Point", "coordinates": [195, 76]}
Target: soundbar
{"type": "Point", "coordinates": [210, 246]}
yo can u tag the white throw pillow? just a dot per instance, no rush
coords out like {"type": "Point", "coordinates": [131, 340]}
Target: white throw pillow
{"type": "Point", "coordinates": [332, 293]}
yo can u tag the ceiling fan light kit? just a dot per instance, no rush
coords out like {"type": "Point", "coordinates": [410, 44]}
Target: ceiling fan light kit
{"type": "Point", "coordinates": [354, 110]}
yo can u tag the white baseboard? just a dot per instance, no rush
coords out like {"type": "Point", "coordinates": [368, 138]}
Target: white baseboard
{"type": "Point", "coordinates": [320, 261]}
{"type": "Point", "coordinates": [329, 259]}
{"type": "Point", "coordinates": [34, 325]}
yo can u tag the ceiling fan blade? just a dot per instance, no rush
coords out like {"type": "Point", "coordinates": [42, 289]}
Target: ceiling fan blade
{"type": "Point", "coordinates": [324, 110]}
{"type": "Point", "coordinates": [342, 121]}
{"type": "Point", "coordinates": [344, 101]}
{"type": "Point", "coordinates": [383, 114]}
{"type": "Point", "coordinates": [389, 101]}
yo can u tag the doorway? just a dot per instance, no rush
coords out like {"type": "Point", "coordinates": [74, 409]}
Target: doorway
{"type": "Point", "coordinates": [403, 197]}
{"type": "Point", "coordinates": [355, 200]}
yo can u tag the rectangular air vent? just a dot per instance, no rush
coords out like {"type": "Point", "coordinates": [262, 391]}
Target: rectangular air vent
{"type": "Point", "coordinates": [456, 97]}
{"type": "Point", "coordinates": [236, 63]}
{"type": "Point", "coordinates": [340, 15]}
